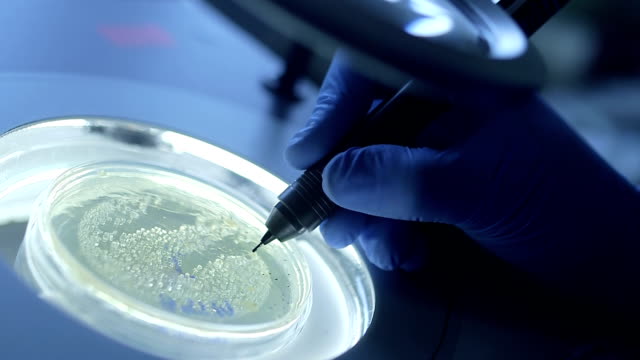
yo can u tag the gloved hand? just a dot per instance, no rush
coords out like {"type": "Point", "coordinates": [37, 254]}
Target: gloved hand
{"type": "Point", "coordinates": [505, 170]}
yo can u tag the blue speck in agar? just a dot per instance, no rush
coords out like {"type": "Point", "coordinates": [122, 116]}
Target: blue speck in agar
{"type": "Point", "coordinates": [176, 264]}
{"type": "Point", "coordinates": [168, 303]}
{"type": "Point", "coordinates": [187, 308]}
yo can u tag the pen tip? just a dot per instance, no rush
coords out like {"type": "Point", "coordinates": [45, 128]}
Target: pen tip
{"type": "Point", "coordinates": [265, 240]}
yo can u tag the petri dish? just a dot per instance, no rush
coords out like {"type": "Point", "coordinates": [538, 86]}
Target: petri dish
{"type": "Point", "coordinates": [169, 256]}
{"type": "Point", "coordinates": [35, 156]}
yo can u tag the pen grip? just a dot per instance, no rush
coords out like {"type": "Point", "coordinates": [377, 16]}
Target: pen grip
{"type": "Point", "coordinates": [305, 201]}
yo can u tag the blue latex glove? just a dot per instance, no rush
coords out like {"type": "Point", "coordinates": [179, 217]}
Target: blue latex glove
{"type": "Point", "coordinates": [510, 174]}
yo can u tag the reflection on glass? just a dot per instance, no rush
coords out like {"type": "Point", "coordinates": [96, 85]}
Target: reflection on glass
{"type": "Point", "coordinates": [426, 8]}
{"type": "Point", "coordinates": [427, 27]}
{"type": "Point", "coordinates": [422, 18]}
{"type": "Point", "coordinates": [435, 22]}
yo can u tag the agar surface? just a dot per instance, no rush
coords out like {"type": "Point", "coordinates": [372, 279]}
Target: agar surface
{"type": "Point", "coordinates": [151, 242]}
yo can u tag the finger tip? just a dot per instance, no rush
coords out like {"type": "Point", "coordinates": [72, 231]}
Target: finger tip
{"type": "Point", "coordinates": [336, 242]}
{"type": "Point", "coordinates": [337, 231]}
{"type": "Point", "coordinates": [291, 156]}
{"type": "Point", "coordinates": [297, 155]}
{"type": "Point", "coordinates": [383, 265]}
{"type": "Point", "coordinates": [393, 246]}
{"type": "Point", "coordinates": [381, 261]}
{"type": "Point", "coordinates": [329, 181]}
{"type": "Point", "coordinates": [376, 256]}
{"type": "Point", "coordinates": [334, 174]}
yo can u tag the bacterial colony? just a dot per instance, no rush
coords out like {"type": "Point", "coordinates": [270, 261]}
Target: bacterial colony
{"type": "Point", "coordinates": [164, 244]}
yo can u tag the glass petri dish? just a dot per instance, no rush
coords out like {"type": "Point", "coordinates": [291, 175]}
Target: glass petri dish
{"type": "Point", "coordinates": [33, 157]}
{"type": "Point", "coordinates": [162, 262]}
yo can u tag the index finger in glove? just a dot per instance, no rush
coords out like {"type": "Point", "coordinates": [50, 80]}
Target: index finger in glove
{"type": "Point", "coordinates": [345, 98]}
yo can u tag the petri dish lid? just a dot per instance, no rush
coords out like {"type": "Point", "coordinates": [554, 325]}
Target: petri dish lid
{"type": "Point", "coordinates": [33, 156]}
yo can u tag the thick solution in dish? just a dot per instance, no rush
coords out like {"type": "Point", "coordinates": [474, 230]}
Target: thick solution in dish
{"type": "Point", "coordinates": [175, 244]}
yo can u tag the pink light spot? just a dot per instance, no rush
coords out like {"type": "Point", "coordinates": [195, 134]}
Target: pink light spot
{"type": "Point", "coordinates": [144, 35]}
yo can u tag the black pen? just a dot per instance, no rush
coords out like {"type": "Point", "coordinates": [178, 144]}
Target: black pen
{"type": "Point", "coordinates": [304, 205]}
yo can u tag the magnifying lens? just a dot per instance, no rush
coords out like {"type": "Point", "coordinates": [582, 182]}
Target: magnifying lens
{"type": "Point", "coordinates": [438, 41]}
